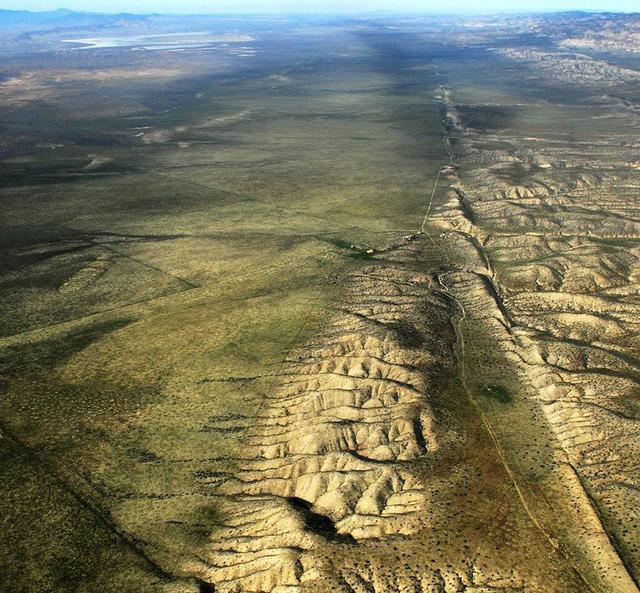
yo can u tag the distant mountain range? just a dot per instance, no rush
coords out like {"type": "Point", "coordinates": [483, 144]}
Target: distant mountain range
{"type": "Point", "coordinates": [29, 25]}
{"type": "Point", "coordinates": [65, 18]}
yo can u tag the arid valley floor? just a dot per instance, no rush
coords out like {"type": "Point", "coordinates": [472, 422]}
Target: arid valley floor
{"type": "Point", "coordinates": [319, 305]}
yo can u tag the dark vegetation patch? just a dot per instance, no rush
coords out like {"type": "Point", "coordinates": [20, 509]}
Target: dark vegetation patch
{"type": "Point", "coordinates": [353, 250]}
{"type": "Point", "coordinates": [496, 392]}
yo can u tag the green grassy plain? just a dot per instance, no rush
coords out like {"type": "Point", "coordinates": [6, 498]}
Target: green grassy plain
{"type": "Point", "coordinates": [148, 300]}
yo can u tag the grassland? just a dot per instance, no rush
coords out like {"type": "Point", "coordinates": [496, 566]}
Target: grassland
{"type": "Point", "coordinates": [149, 299]}
{"type": "Point", "coordinates": [229, 359]}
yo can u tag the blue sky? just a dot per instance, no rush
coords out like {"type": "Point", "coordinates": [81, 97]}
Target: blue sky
{"type": "Point", "coordinates": [212, 6]}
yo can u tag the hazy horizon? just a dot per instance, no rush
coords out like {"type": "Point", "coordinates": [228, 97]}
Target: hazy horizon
{"type": "Point", "coordinates": [321, 6]}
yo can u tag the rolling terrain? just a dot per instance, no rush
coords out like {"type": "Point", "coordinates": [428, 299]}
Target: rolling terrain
{"type": "Point", "coordinates": [319, 305]}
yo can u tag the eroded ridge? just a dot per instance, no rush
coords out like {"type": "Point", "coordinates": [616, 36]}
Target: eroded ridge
{"type": "Point", "coordinates": [353, 476]}
{"type": "Point", "coordinates": [330, 455]}
{"type": "Point", "coordinates": [556, 222]}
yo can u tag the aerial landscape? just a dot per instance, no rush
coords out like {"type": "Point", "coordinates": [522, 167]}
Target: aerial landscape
{"type": "Point", "coordinates": [319, 303]}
